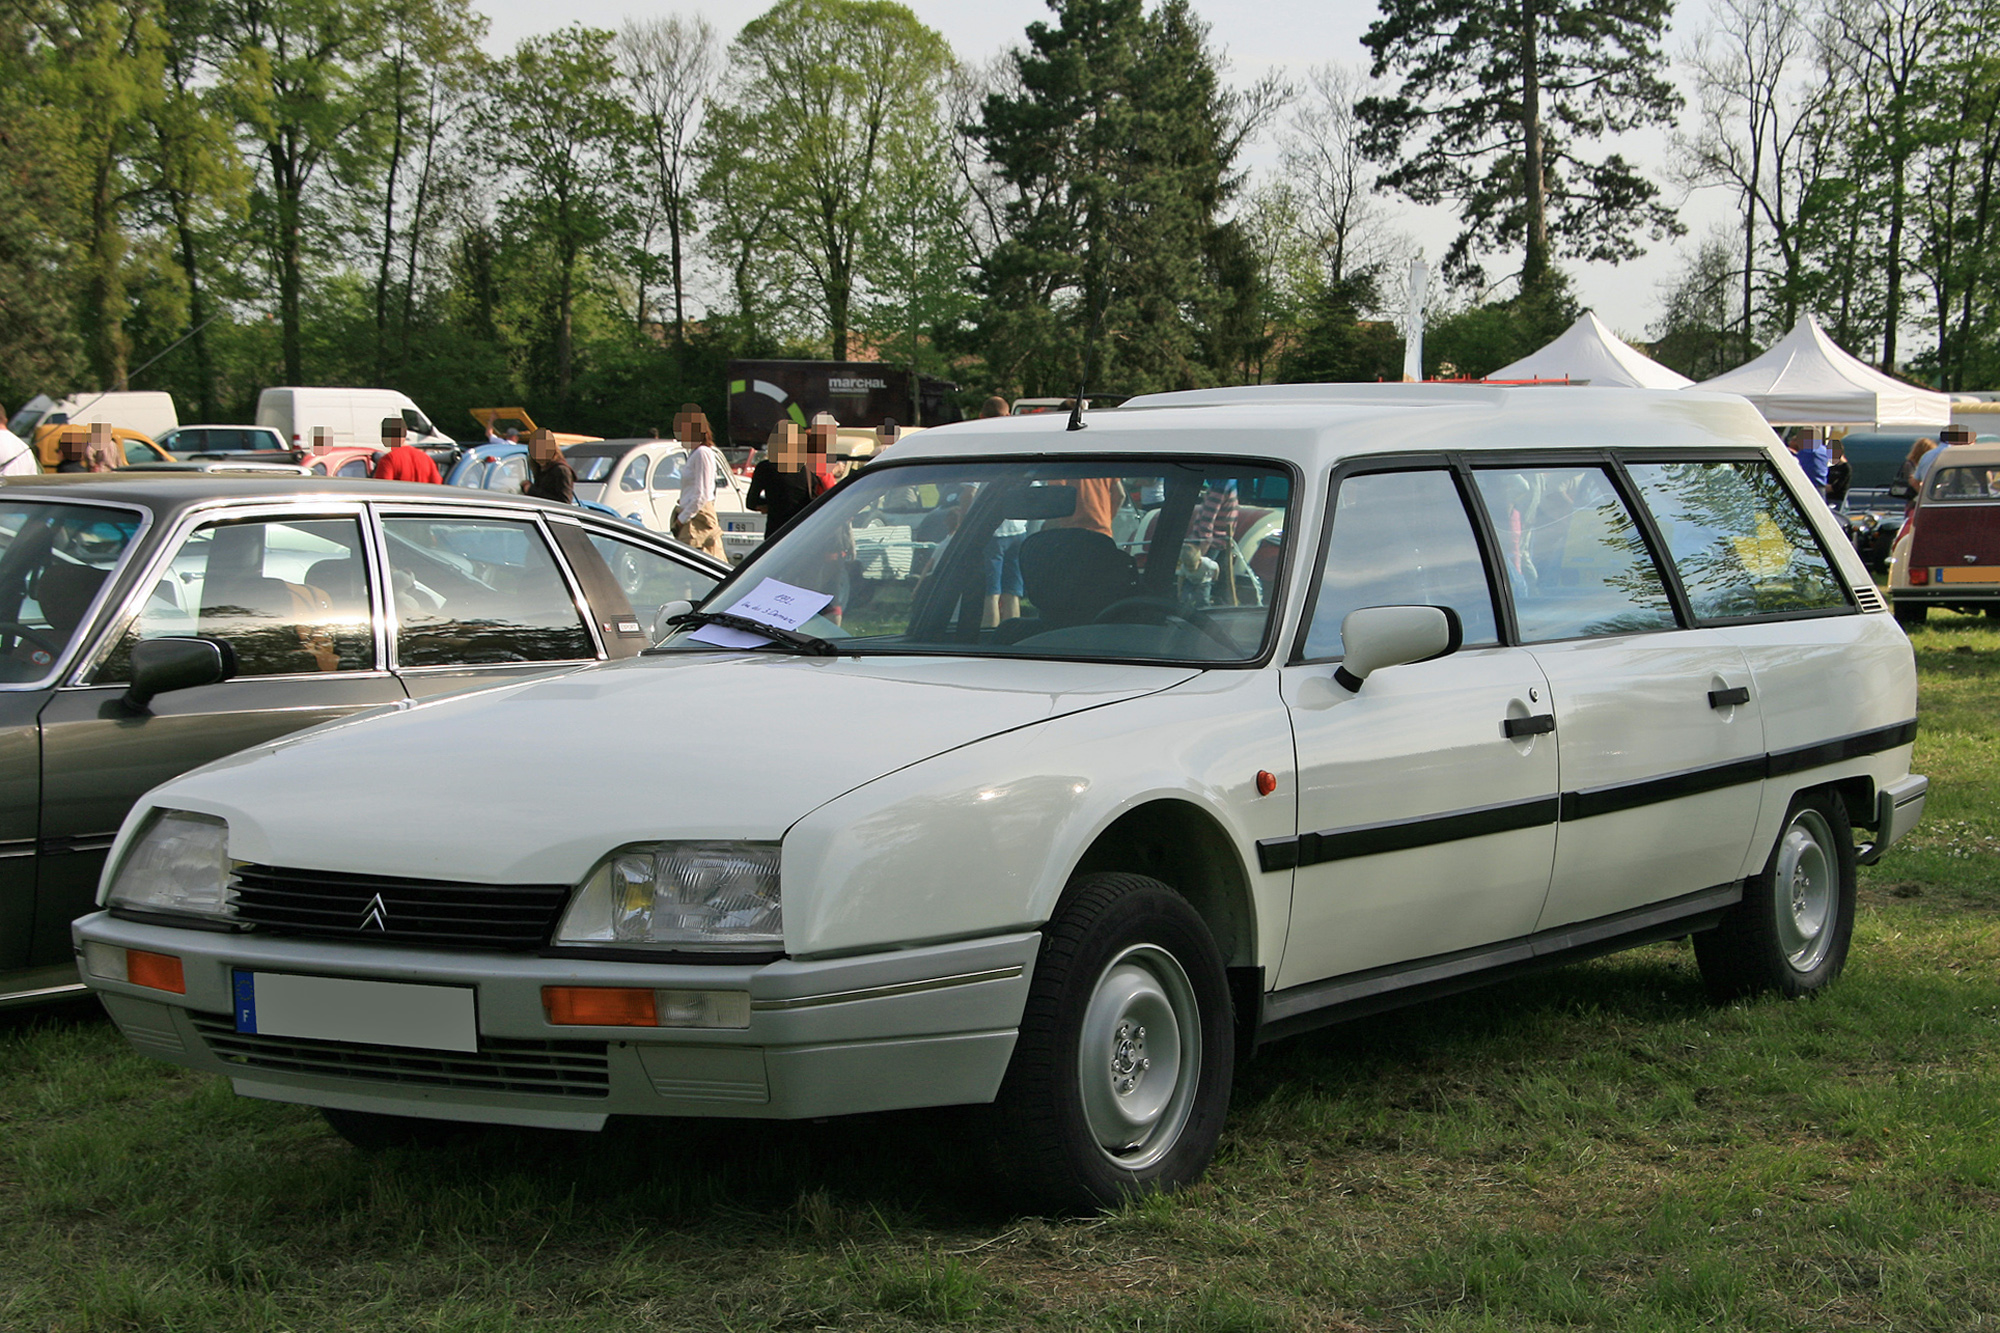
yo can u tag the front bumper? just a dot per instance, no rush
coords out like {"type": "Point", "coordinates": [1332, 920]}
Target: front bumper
{"type": "Point", "coordinates": [931, 1026]}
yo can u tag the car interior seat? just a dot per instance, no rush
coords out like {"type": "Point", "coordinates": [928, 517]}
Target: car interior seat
{"type": "Point", "coordinates": [64, 592]}
{"type": "Point", "coordinates": [1071, 575]}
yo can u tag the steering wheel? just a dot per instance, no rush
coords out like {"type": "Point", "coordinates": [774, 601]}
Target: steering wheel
{"type": "Point", "coordinates": [1170, 612]}
{"type": "Point", "coordinates": [14, 629]}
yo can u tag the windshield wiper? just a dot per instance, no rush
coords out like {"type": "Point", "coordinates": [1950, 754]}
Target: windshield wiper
{"type": "Point", "coordinates": [790, 638]}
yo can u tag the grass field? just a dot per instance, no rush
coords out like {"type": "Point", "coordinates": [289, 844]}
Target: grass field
{"type": "Point", "coordinates": [1594, 1148]}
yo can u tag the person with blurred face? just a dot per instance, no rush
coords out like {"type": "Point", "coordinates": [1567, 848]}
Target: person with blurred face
{"type": "Point", "coordinates": [552, 477]}
{"type": "Point", "coordinates": [71, 443]}
{"type": "Point", "coordinates": [694, 515]}
{"type": "Point", "coordinates": [404, 461]}
{"type": "Point", "coordinates": [102, 453]}
{"type": "Point", "coordinates": [783, 483]}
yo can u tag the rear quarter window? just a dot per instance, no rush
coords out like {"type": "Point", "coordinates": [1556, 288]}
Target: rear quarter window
{"type": "Point", "coordinates": [1738, 540]}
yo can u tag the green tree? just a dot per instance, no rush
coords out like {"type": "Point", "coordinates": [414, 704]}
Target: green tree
{"type": "Point", "coordinates": [298, 79]}
{"type": "Point", "coordinates": [1699, 315]}
{"type": "Point", "coordinates": [556, 120]}
{"type": "Point", "coordinates": [1493, 108]}
{"type": "Point", "coordinates": [833, 98]}
{"type": "Point", "coordinates": [670, 69]}
{"type": "Point", "coordinates": [39, 347]}
{"type": "Point", "coordinates": [1118, 144]}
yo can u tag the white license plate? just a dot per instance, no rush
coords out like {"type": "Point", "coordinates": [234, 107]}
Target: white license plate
{"type": "Point", "coordinates": [374, 1013]}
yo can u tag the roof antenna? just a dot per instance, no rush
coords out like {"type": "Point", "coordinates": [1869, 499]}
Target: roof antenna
{"type": "Point", "coordinates": [1076, 408]}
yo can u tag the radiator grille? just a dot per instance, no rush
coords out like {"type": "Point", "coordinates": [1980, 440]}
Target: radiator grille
{"type": "Point", "coordinates": [555, 1068]}
{"type": "Point", "coordinates": [281, 900]}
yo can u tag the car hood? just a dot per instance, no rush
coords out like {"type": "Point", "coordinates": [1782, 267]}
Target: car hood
{"type": "Point", "coordinates": [533, 783]}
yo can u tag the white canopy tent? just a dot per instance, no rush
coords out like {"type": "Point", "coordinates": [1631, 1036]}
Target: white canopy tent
{"type": "Point", "coordinates": [1589, 353]}
{"type": "Point", "coordinates": [1805, 380]}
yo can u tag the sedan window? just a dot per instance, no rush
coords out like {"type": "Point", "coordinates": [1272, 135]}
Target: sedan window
{"type": "Point", "coordinates": [53, 561]}
{"type": "Point", "coordinates": [650, 580]}
{"type": "Point", "coordinates": [289, 598]}
{"type": "Point", "coordinates": [471, 591]}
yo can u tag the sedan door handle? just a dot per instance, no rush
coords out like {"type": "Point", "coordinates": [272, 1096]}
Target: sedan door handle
{"type": "Point", "coordinates": [1729, 698]}
{"type": "Point", "coordinates": [1517, 727]}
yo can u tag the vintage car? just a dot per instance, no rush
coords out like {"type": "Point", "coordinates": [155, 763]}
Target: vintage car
{"type": "Point", "coordinates": [1948, 551]}
{"type": "Point", "coordinates": [641, 480]}
{"type": "Point", "coordinates": [1478, 689]}
{"type": "Point", "coordinates": [315, 598]}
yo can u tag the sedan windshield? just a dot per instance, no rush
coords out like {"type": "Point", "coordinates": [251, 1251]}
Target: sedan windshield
{"type": "Point", "coordinates": [53, 561]}
{"type": "Point", "coordinates": [1129, 559]}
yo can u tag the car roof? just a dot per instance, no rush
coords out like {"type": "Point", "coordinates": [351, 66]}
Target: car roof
{"type": "Point", "coordinates": [1969, 455]}
{"type": "Point", "coordinates": [169, 492]}
{"type": "Point", "coordinates": [1313, 425]}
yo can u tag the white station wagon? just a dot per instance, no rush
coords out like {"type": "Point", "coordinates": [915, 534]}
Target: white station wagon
{"type": "Point", "coordinates": [1233, 713]}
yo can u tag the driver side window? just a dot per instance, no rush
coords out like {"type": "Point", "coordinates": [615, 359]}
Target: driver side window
{"type": "Point", "coordinates": [1401, 539]}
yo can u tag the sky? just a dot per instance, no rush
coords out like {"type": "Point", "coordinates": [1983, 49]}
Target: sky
{"type": "Point", "coordinates": [1257, 36]}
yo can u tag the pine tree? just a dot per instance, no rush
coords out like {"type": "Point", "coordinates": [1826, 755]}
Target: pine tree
{"type": "Point", "coordinates": [1494, 107]}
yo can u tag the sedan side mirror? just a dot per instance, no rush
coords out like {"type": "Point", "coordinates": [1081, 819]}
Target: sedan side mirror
{"type": "Point", "coordinates": [1384, 636]}
{"type": "Point", "coordinates": [159, 665]}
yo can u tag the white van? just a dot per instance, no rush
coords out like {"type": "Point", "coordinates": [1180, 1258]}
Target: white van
{"type": "Point", "coordinates": [151, 413]}
{"type": "Point", "coordinates": [354, 416]}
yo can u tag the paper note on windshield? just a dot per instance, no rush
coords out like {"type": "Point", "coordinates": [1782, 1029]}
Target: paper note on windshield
{"type": "Point", "coordinates": [779, 605]}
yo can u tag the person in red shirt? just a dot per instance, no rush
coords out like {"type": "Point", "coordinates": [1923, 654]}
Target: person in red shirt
{"type": "Point", "coordinates": [403, 461]}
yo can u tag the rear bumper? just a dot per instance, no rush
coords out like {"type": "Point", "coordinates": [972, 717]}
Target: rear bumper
{"type": "Point", "coordinates": [1898, 807]}
{"type": "Point", "coordinates": [931, 1026]}
{"type": "Point", "coordinates": [1948, 594]}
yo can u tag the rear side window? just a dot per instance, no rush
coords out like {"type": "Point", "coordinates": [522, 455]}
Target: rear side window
{"type": "Point", "coordinates": [476, 591]}
{"type": "Point", "coordinates": [1400, 539]}
{"type": "Point", "coordinates": [634, 478]}
{"type": "Point", "coordinates": [1947, 484]}
{"type": "Point", "coordinates": [1576, 561]}
{"type": "Point", "coordinates": [1738, 540]}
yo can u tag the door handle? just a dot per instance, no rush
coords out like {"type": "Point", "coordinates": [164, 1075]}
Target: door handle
{"type": "Point", "coordinates": [1729, 698]}
{"type": "Point", "coordinates": [1517, 727]}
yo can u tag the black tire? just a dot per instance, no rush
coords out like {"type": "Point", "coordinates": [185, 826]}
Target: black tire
{"type": "Point", "coordinates": [1120, 952]}
{"type": "Point", "coordinates": [1791, 931]}
{"type": "Point", "coordinates": [1911, 613]}
{"type": "Point", "coordinates": [372, 1131]}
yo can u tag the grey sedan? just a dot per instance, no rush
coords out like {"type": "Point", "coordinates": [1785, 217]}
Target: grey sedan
{"type": "Point", "coordinates": [151, 623]}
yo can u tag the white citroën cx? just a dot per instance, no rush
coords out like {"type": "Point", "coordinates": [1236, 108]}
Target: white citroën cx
{"type": "Point", "coordinates": [1047, 763]}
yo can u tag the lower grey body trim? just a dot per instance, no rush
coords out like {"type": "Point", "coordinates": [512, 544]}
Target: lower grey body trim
{"type": "Point", "coordinates": [1300, 1008]}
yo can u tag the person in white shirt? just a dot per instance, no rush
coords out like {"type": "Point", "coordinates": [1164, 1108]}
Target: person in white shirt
{"type": "Point", "coordinates": [17, 456]}
{"type": "Point", "coordinates": [694, 517]}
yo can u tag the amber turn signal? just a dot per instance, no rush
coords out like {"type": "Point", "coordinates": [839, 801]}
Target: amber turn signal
{"type": "Point", "coordinates": [599, 1006]}
{"type": "Point", "coordinates": [1266, 782]}
{"type": "Point", "coordinates": [161, 971]}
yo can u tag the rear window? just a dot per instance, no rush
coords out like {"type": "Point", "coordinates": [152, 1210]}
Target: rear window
{"type": "Point", "coordinates": [1958, 484]}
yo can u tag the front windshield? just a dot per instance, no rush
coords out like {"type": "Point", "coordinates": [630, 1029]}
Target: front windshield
{"type": "Point", "coordinates": [53, 561]}
{"type": "Point", "coordinates": [1133, 559]}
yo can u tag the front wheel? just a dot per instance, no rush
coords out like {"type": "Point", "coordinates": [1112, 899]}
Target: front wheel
{"type": "Point", "coordinates": [1791, 930]}
{"type": "Point", "coordinates": [1120, 1078]}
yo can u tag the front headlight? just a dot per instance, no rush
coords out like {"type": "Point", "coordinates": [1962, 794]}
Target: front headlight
{"type": "Point", "coordinates": [709, 895]}
{"type": "Point", "coordinates": [180, 863]}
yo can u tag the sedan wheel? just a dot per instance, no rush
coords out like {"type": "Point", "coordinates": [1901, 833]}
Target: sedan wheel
{"type": "Point", "coordinates": [1791, 930]}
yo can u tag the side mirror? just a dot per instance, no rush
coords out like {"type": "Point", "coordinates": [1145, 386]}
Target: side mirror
{"type": "Point", "coordinates": [160, 665]}
{"type": "Point", "coordinates": [1384, 636]}
{"type": "Point", "coordinates": [667, 613]}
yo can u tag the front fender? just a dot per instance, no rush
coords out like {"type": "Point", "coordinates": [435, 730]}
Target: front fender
{"type": "Point", "coordinates": [983, 838]}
